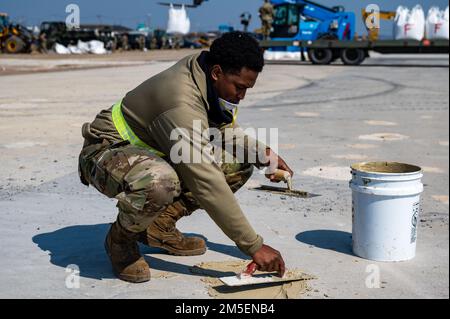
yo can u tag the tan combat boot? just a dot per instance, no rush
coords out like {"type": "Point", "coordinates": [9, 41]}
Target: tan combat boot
{"type": "Point", "coordinates": [122, 248]}
{"type": "Point", "coordinates": [162, 233]}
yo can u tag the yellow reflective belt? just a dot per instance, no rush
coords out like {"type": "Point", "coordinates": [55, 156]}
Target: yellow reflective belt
{"type": "Point", "coordinates": [126, 132]}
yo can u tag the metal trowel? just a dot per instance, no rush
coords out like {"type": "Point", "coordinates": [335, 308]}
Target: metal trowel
{"type": "Point", "coordinates": [283, 176]}
{"type": "Point", "coordinates": [247, 278]}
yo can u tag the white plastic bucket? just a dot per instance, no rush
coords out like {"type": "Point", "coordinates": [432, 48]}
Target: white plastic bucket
{"type": "Point", "coordinates": [386, 206]}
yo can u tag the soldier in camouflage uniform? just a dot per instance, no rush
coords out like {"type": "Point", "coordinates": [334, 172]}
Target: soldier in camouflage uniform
{"type": "Point", "coordinates": [266, 13]}
{"type": "Point", "coordinates": [125, 156]}
{"type": "Point", "coordinates": [142, 42]}
{"type": "Point", "coordinates": [124, 42]}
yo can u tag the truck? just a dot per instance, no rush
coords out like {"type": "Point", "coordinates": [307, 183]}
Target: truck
{"type": "Point", "coordinates": [326, 34]}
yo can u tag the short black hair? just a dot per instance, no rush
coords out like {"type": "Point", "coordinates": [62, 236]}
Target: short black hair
{"type": "Point", "coordinates": [236, 50]}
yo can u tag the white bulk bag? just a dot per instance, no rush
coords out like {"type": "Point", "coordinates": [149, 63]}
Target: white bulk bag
{"type": "Point", "coordinates": [74, 49]}
{"type": "Point", "coordinates": [437, 26]}
{"type": "Point", "coordinates": [83, 46]}
{"type": "Point", "coordinates": [178, 21]}
{"type": "Point", "coordinates": [401, 19]}
{"type": "Point", "coordinates": [283, 56]}
{"type": "Point", "coordinates": [61, 49]}
{"type": "Point", "coordinates": [97, 47]}
{"type": "Point", "coordinates": [410, 25]}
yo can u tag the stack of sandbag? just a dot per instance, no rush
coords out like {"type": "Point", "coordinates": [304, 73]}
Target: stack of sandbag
{"type": "Point", "coordinates": [178, 21]}
{"type": "Point", "coordinates": [409, 24]}
{"type": "Point", "coordinates": [437, 26]}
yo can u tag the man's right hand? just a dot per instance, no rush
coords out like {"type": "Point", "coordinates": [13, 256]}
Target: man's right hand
{"type": "Point", "coordinates": [269, 259]}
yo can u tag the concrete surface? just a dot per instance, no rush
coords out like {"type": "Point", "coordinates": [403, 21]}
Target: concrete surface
{"type": "Point", "coordinates": [328, 118]}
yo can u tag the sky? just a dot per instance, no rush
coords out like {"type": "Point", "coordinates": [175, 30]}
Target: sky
{"type": "Point", "coordinates": [204, 18]}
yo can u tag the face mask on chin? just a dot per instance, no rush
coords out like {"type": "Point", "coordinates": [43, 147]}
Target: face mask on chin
{"type": "Point", "coordinates": [227, 106]}
{"type": "Point", "coordinates": [230, 108]}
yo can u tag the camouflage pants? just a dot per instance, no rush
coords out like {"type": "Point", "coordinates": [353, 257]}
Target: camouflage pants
{"type": "Point", "coordinates": [267, 27]}
{"type": "Point", "coordinates": [143, 183]}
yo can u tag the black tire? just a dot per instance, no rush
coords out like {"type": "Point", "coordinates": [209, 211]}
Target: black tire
{"type": "Point", "coordinates": [320, 56]}
{"type": "Point", "coordinates": [353, 56]}
{"type": "Point", "coordinates": [14, 44]}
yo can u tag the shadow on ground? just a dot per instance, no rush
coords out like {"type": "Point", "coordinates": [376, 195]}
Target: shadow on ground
{"type": "Point", "coordinates": [338, 241]}
{"type": "Point", "coordinates": [82, 245]}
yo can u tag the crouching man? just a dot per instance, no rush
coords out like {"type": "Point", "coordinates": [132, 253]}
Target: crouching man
{"type": "Point", "coordinates": [126, 155]}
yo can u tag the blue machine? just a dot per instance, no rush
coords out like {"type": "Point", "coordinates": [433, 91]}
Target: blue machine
{"type": "Point", "coordinates": [303, 20]}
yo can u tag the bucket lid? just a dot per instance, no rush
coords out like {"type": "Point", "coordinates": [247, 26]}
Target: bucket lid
{"type": "Point", "coordinates": [386, 168]}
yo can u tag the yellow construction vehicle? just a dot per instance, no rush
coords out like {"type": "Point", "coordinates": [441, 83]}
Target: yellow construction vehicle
{"type": "Point", "coordinates": [374, 32]}
{"type": "Point", "coordinates": [14, 38]}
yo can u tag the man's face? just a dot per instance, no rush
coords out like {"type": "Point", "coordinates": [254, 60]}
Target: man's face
{"type": "Point", "coordinates": [232, 87]}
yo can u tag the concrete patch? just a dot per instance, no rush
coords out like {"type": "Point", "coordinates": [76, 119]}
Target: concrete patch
{"type": "Point", "coordinates": [267, 110]}
{"type": "Point", "coordinates": [216, 289]}
{"type": "Point", "coordinates": [443, 143]}
{"type": "Point", "coordinates": [351, 157]}
{"type": "Point", "coordinates": [380, 123]}
{"type": "Point", "coordinates": [307, 114]}
{"type": "Point", "coordinates": [287, 146]}
{"type": "Point", "coordinates": [329, 172]}
{"type": "Point", "coordinates": [362, 146]}
{"type": "Point", "coordinates": [442, 198]}
{"type": "Point", "coordinates": [384, 137]}
{"type": "Point", "coordinates": [426, 117]}
{"type": "Point", "coordinates": [435, 170]}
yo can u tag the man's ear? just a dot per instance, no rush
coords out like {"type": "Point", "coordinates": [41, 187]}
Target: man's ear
{"type": "Point", "coordinates": [216, 72]}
